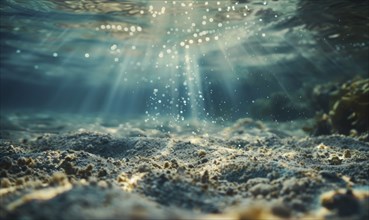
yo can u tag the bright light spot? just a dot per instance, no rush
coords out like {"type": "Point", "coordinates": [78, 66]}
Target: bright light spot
{"type": "Point", "coordinates": [113, 47]}
{"type": "Point", "coordinates": [202, 33]}
{"type": "Point", "coordinates": [55, 54]}
{"type": "Point", "coordinates": [87, 55]}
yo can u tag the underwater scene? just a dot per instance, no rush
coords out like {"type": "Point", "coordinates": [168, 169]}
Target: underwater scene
{"type": "Point", "coordinates": [185, 109]}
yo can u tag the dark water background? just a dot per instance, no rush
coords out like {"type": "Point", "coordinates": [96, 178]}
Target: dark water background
{"type": "Point", "coordinates": [130, 58]}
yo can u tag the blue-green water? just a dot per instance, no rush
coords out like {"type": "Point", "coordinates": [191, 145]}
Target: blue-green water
{"type": "Point", "coordinates": [155, 59]}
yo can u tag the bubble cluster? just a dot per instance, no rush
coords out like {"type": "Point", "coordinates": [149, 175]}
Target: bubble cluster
{"type": "Point", "coordinates": [182, 25]}
{"type": "Point", "coordinates": [188, 30]}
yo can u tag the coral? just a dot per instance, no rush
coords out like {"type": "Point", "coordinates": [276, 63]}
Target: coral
{"type": "Point", "coordinates": [350, 111]}
{"type": "Point", "coordinates": [347, 111]}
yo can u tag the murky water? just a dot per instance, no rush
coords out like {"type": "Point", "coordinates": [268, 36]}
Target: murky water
{"type": "Point", "coordinates": [215, 60]}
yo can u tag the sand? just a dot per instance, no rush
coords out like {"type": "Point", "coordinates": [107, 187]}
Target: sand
{"type": "Point", "coordinates": [60, 169]}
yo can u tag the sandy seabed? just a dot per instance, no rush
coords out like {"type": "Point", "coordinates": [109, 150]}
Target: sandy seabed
{"type": "Point", "coordinates": [53, 169]}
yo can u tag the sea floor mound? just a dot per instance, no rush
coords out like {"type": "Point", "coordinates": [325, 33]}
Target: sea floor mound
{"type": "Point", "coordinates": [244, 171]}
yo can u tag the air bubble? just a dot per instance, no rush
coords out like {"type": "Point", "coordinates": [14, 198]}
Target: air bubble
{"type": "Point", "coordinates": [113, 47]}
